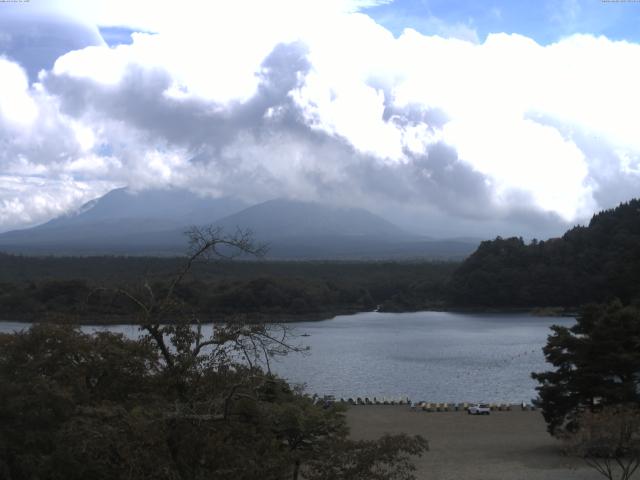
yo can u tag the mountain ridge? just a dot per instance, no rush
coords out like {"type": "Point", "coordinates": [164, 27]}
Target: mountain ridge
{"type": "Point", "coordinates": [297, 218]}
{"type": "Point", "coordinates": [154, 222]}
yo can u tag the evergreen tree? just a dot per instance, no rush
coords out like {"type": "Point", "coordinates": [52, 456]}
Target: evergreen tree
{"type": "Point", "coordinates": [597, 364]}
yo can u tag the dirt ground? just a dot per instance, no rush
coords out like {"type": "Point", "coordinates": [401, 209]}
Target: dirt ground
{"type": "Point", "coordinates": [511, 445]}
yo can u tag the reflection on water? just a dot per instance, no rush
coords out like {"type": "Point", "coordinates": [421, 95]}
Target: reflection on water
{"type": "Point", "coordinates": [430, 356]}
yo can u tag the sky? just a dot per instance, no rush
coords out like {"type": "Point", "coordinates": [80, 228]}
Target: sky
{"type": "Point", "coordinates": [449, 118]}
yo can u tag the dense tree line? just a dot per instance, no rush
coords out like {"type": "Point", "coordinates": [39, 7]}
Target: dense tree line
{"type": "Point", "coordinates": [110, 270]}
{"type": "Point", "coordinates": [587, 264]}
{"type": "Point", "coordinates": [77, 299]}
{"type": "Point", "coordinates": [254, 288]}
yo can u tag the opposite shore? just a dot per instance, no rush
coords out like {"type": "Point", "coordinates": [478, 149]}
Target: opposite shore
{"type": "Point", "coordinates": [91, 319]}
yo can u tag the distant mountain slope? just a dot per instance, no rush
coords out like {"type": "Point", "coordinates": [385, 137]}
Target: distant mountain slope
{"type": "Point", "coordinates": [119, 220]}
{"type": "Point", "coordinates": [282, 218]}
{"type": "Point", "coordinates": [303, 230]}
{"type": "Point", "coordinates": [153, 223]}
{"type": "Point", "coordinates": [593, 263]}
{"type": "Point", "coordinates": [166, 205]}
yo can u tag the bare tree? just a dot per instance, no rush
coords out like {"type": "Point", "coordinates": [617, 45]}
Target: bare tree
{"type": "Point", "coordinates": [609, 440]}
{"type": "Point", "coordinates": [177, 332]}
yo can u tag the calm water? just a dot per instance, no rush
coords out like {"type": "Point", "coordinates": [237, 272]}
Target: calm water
{"type": "Point", "coordinates": [430, 356]}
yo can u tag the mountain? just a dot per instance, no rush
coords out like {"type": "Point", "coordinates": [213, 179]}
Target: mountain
{"type": "Point", "coordinates": [122, 222]}
{"type": "Point", "coordinates": [304, 230]}
{"type": "Point", "coordinates": [170, 206]}
{"type": "Point", "coordinates": [153, 222]}
{"type": "Point", "coordinates": [282, 218]}
{"type": "Point", "coordinates": [592, 263]}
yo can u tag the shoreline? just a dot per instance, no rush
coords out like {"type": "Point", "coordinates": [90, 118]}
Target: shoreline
{"type": "Point", "coordinates": [104, 320]}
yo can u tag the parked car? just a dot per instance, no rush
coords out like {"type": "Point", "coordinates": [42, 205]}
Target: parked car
{"type": "Point", "coordinates": [479, 409]}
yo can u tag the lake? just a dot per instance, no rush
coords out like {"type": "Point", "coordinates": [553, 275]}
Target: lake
{"type": "Point", "coordinates": [433, 356]}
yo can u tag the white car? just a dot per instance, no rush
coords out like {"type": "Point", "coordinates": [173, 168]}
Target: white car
{"type": "Point", "coordinates": [479, 409]}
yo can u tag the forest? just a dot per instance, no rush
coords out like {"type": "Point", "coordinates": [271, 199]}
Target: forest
{"type": "Point", "coordinates": [594, 263]}
{"type": "Point", "coordinates": [78, 289]}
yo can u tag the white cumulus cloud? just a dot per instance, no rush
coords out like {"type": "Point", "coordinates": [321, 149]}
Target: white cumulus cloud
{"type": "Point", "coordinates": [317, 101]}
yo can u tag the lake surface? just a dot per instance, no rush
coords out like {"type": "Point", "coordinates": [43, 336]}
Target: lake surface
{"type": "Point", "coordinates": [433, 356]}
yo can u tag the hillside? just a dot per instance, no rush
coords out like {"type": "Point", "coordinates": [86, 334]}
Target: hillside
{"type": "Point", "coordinates": [280, 218]}
{"type": "Point", "coordinates": [153, 223]}
{"type": "Point", "coordinates": [591, 263]}
{"type": "Point", "coordinates": [299, 230]}
{"type": "Point", "coordinates": [122, 222]}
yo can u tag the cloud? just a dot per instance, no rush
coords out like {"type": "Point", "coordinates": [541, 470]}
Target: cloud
{"type": "Point", "coordinates": [45, 156]}
{"type": "Point", "coordinates": [36, 41]}
{"type": "Point", "coordinates": [496, 136]}
{"type": "Point", "coordinates": [27, 200]}
{"type": "Point", "coordinates": [432, 25]}
{"type": "Point", "coordinates": [614, 171]}
{"type": "Point", "coordinates": [282, 141]}
{"type": "Point", "coordinates": [17, 109]}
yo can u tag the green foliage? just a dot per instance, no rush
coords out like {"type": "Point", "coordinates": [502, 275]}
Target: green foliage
{"type": "Point", "coordinates": [170, 405]}
{"type": "Point", "coordinates": [48, 375]}
{"type": "Point", "coordinates": [78, 406]}
{"type": "Point", "coordinates": [596, 361]}
{"type": "Point", "coordinates": [72, 289]}
{"type": "Point", "coordinates": [594, 263]}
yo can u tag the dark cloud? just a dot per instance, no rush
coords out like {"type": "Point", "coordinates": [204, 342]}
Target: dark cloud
{"type": "Point", "coordinates": [36, 41]}
{"type": "Point", "coordinates": [264, 147]}
{"type": "Point", "coordinates": [141, 102]}
{"type": "Point", "coordinates": [437, 179]}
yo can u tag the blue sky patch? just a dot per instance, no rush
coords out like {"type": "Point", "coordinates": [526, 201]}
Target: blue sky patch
{"type": "Point", "coordinates": [115, 36]}
{"type": "Point", "coordinates": [545, 21]}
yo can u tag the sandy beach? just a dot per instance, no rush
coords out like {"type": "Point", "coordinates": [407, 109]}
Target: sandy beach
{"type": "Point", "coordinates": [511, 445]}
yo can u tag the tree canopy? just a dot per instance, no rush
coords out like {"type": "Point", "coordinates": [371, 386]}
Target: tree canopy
{"type": "Point", "coordinates": [173, 404]}
{"type": "Point", "coordinates": [595, 263]}
{"type": "Point", "coordinates": [596, 361]}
